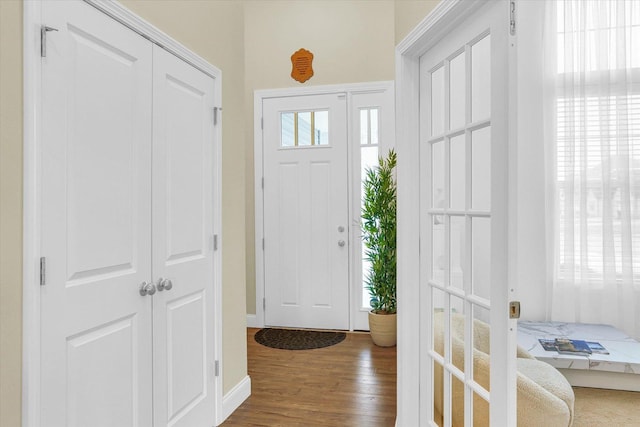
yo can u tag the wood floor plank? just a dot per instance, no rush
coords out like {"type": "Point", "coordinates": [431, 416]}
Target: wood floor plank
{"type": "Point", "coordinates": [352, 383]}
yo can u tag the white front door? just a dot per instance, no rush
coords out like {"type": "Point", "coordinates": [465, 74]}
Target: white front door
{"type": "Point", "coordinates": [306, 223]}
{"type": "Point", "coordinates": [463, 225]}
{"type": "Point", "coordinates": [96, 221]}
{"type": "Point", "coordinates": [183, 141]}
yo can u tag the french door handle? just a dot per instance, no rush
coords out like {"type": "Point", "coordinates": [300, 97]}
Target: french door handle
{"type": "Point", "coordinates": [164, 284]}
{"type": "Point", "coordinates": [147, 288]}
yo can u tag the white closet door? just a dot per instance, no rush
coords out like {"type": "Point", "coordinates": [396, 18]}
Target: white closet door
{"type": "Point", "coordinates": [96, 221]}
{"type": "Point", "coordinates": [183, 134]}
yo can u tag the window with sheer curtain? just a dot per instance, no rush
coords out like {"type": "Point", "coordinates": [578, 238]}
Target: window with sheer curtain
{"type": "Point", "coordinates": [597, 161]}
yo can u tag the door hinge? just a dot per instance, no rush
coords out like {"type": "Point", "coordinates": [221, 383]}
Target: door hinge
{"type": "Point", "coordinates": [514, 309]}
{"type": "Point", "coordinates": [263, 243]}
{"type": "Point", "coordinates": [43, 39]}
{"type": "Point", "coordinates": [263, 182]}
{"type": "Point", "coordinates": [512, 18]}
{"type": "Point", "coordinates": [215, 242]}
{"type": "Point", "coordinates": [261, 122]}
{"type": "Point", "coordinates": [217, 368]}
{"type": "Point", "coordinates": [215, 114]}
{"type": "Point", "coordinates": [264, 304]}
{"type": "Point", "coordinates": [43, 271]}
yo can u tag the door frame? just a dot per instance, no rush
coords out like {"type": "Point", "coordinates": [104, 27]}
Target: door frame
{"type": "Point", "coordinates": [442, 19]}
{"type": "Point", "coordinates": [32, 209]}
{"type": "Point", "coordinates": [350, 89]}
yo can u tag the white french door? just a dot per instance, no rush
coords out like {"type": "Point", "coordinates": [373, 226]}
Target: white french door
{"type": "Point", "coordinates": [127, 206]}
{"type": "Point", "coordinates": [306, 223]}
{"type": "Point", "coordinates": [463, 225]}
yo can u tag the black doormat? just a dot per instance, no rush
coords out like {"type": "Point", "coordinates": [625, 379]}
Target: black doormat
{"type": "Point", "coordinates": [294, 339]}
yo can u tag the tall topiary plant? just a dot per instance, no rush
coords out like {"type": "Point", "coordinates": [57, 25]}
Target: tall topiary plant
{"type": "Point", "coordinates": [379, 233]}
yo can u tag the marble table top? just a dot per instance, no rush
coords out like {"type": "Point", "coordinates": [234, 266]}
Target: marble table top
{"type": "Point", "coordinates": [624, 351]}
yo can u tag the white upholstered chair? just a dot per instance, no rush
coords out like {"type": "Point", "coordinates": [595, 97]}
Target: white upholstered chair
{"type": "Point", "coordinates": [545, 397]}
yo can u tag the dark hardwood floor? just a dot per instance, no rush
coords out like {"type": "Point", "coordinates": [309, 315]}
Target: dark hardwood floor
{"type": "Point", "coordinates": [349, 384]}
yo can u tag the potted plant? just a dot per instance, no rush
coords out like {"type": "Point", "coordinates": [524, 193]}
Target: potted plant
{"type": "Point", "coordinates": [379, 237]}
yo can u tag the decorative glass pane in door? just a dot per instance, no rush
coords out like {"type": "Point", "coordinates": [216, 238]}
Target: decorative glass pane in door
{"type": "Point", "coordinates": [368, 159]}
{"type": "Point", "coordinates": [304, 128]}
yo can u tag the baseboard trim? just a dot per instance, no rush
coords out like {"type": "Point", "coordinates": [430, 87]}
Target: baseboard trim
{"type": "Point", "coordinates": [234, 398]}
{"type": "Point", "coordinates": [252, 321]}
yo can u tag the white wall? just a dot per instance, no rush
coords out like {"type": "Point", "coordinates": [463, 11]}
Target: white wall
{"type": "Point", "coordinates": [10, 211]}
{"type": "Point", "coordinates": [409, 13]}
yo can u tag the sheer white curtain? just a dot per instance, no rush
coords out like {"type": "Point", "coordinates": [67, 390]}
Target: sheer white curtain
{"type": "Point", "coordinates": [593, 52]}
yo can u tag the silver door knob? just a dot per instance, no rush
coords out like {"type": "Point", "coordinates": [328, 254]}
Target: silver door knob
{"type": "Point", "coordinates": [164, 284]}
{"type": "Point", "coordinates": [147, 288]}
{"type": "Point", "coordinates": [341, 229]}
{"type": "Point", "coordinates": [341, 243]}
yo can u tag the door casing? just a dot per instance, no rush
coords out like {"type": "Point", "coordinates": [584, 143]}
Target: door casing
{"type": "Point", "coordinates": [32, 90]}
{"type": "Point", "coordinates": [386, 87]}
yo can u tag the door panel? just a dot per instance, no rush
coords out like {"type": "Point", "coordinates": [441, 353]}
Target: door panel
{"type": "Point", "coordinates": [323, 244]}
{"type": "Point", "coordinates": [87, 399]}
{"type": "Point", "coordinates": [463, 222]}
{"type": "Point", "coordinates": [186, 376]}
{"type": "Point", "coordinates": [182, 235]}
{"type": "Point", "coordinates": [306, 212]}
{"type": "Point", "coordinates": [96, 228]}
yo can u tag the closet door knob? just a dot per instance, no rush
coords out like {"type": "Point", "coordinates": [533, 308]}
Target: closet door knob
{"type": "Point", "coordinates": [164, 284]}
{"type": "Point", "coordinates": [147, 288]}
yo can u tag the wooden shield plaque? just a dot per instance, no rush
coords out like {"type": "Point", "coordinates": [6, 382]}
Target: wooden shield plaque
{"type": "Point", "coordinates": [302, 65]}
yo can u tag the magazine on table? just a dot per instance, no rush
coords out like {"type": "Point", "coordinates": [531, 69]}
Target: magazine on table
{"type": "Point", "coordinates": [569, 346]}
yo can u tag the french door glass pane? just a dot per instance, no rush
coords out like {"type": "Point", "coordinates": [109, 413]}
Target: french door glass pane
{"type": "Point", "coordinates": [481, 169]}
{"type": "Point", "coordinates": [439, 258]}
{"type": "Point", "coordinates": [457, 251]}
{"type": "Point", "coordinates": [457, 172]}
{"type": "Point", "coordinates": [437, 102]}
{"type": "Point", "coordinates": [480, 79]}
{"type": "Point", "coordinates": [457, 92]}
{"type": "Point", "coordinates": [480, 256]}
{"type": "Point", "coordinates": [481, 334]}
{"type": "Point", "coordinates": [437, 178]}
{"type": "Point", "coordinates": [457, 331]}
{"type": "Point", "coordinates": [457, 400]}
{"type": "Point", "coordinates": [438, 375]}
